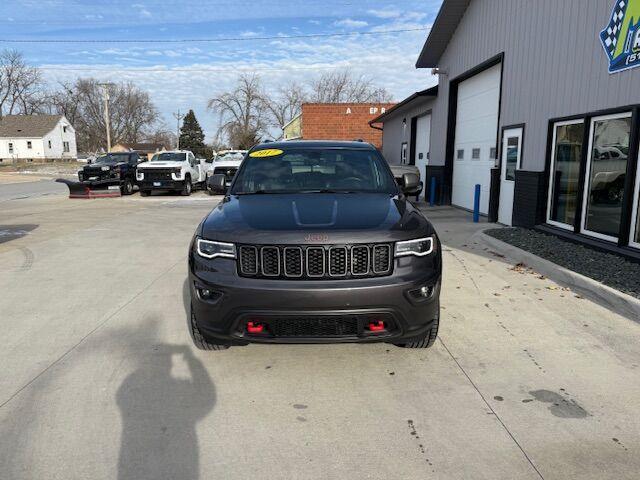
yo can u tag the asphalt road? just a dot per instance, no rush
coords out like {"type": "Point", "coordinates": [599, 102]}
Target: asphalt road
{"type": "Point", "coordinates": [22, 190]}
{"type": "Point", "coordinates": [99, 379]}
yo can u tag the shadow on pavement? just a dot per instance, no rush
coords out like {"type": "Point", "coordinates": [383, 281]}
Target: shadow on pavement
{"type": "Point", "coordinates": [159, 413]}
{"type": "Point", "coordinates": [12, 232]}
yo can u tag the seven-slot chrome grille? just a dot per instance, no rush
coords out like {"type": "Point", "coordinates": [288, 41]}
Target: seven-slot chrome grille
{"type": "Point", "coordinates": [315, 262]}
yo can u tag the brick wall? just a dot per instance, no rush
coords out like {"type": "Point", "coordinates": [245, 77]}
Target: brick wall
{"type": "Point", "coordinates": [342, 121]}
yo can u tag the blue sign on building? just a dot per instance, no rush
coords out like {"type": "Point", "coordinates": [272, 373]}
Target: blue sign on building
{"type": "Point", "coordinates": [621, 38]}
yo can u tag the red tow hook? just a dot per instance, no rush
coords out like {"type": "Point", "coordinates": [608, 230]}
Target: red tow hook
{"type": "Point", "coordinates": [254, 327]}
{"type": "Point", "coordinates": [376, 326]}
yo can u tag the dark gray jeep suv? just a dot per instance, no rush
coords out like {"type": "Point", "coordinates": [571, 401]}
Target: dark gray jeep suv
{"type": "Point", "coordinates": [314, 242]}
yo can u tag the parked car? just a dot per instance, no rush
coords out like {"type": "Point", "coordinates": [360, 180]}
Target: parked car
{"type": "Point", "coordinates": [314, 243]}
{"type": "Point", "coordinates": [177, 171]}
{"type": "Point", "coordinates": [227, 163]}
{"type": "Point", "coordinates": [110, 170]}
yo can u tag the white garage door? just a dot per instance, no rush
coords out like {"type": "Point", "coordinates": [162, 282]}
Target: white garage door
{"type": "Point", "coordinates": [476, 135]}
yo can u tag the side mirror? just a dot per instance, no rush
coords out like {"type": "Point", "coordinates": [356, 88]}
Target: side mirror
{"type": "Point", "coordinates": [410, 183]}
{"type": "Point", "coordinates": [217, 183]}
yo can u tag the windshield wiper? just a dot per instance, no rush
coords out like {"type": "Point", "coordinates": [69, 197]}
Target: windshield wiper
{"type": "Point", "coordinates": [260, 192]}
{"type": "Point", "coordinates": [326, 190]}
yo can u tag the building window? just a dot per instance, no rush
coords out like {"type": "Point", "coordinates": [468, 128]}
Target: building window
{"type": "Point", "coordinates": [493, 153]}
{"type": "Point", "coordinates": [49, 143]}
{"type": "Point", "coordinates": [605, 175]}
{"type": "Point", "coordinates": [460, 155]}
{"type": "Point", "coordinates": [512, 157]}
{"type": "Point", "coordinates": [403, 153]}
{"type": "Point", "coordinates": [564, 173]}
{"type": "Point", "coordinates": [635, 221]}
{"type": "Point", "coordinates": [29, 145]}
{"type": "Point", "coordinates": [475, 154]}
{"type": "Point", "coordinates": [64, 129]}
{"type": "Point", "coordinates": [10, 147]}
{"type": "Point", "coordinates": [65, 147]}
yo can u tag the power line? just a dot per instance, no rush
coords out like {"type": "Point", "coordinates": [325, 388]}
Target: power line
{"type": "Point", "coordinates": [216, 40]}
{"type": "Point", "coordinates": [117, 69]}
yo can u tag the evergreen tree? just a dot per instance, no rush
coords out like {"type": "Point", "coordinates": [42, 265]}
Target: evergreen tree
{"type": "Point", "coordinates": [191, 135]}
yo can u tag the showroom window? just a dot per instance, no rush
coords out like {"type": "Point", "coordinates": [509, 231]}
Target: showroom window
{"type": "Point", "coordinates": [634, 240]}
{"type": "Point", "coordinates": [607, 158]}
{"type": "Point", "coordinates": [564, 177]}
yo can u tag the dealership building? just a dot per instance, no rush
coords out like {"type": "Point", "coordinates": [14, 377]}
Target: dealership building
{"type": "Point", "coordinates": [538, 102]}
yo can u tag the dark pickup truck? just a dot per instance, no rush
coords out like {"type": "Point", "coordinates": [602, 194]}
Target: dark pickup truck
{"type": "Point", "coordinates": [112, 169]}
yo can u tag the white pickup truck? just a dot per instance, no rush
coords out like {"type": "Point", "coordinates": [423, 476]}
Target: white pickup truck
{"type": "Point", "coordinates": [178, 171]}
{"type": "Point", "coordinates": [227, 162]}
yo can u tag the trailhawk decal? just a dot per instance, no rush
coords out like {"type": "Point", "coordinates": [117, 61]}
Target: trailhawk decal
{"type": "Point", "coordinates": [270, 152]}
{"type": "Point", "coordinates": [621, 38]}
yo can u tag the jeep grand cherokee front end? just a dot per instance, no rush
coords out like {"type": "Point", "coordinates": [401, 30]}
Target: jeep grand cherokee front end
{"type": "Point", "coordinates": [314, 243]}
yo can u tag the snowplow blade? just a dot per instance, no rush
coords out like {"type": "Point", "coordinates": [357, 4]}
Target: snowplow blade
{"type": "Point", "coordinates": [85, 190]}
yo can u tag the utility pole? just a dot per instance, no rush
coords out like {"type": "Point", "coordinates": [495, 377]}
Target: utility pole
{"type": "Point", "coordinates": [105, 93]}
{"type": "Point", "coordinates": [178, 116]}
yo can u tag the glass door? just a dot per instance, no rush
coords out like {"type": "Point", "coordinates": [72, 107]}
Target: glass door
{"type": "Point", "coordinates": [606, 171]}
{"type": "Point", "coordinates": [511, 161]}
{"type": "Point", "coordinates": [564, 173]}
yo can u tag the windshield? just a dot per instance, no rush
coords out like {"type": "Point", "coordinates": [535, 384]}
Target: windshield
{"type": "Point", "coordinates": [169, 157]}
{"type": "Point", "coordinates": [229, 156]}
{"type": "Point", "coordinates": [111, 158]}
{"type": "Point", "coordinates": [315, 170]}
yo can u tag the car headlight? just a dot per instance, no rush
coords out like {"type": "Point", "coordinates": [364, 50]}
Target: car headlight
{"type": "Point", "coordinates": [419, 247]}
{"type": "Point", "coordinates": [209, 249]}
{"type": "Point", "coordinates": [140, 175]}
{"type": "Point", "coordinates": [105, 169]}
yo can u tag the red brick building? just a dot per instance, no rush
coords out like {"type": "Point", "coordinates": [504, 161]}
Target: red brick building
{"type": "Point", "coordinates": [337, 121]}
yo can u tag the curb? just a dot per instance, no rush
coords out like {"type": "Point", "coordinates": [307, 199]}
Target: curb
{"type": "Point", "coordinates": [614, 300]}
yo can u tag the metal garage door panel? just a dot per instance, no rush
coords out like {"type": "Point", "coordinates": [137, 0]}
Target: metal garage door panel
{"type": "Point", "coordinates": [476, 129]}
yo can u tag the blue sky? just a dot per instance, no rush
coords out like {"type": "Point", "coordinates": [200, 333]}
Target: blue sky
{"type": "Point", "coordinates": [185, 75]}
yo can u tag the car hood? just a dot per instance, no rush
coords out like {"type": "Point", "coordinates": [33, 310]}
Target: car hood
{"type": "Point", "coordinates": [314, 218]}
{"type": "Point", "coordinates": [146, 165]}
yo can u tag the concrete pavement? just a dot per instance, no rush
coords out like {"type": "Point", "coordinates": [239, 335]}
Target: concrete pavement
{"type": "Point", "coordinates": [99, 378]}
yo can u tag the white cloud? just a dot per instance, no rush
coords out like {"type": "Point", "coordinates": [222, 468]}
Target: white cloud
{"type": "Point", "coordinates": [384, 13]}
{"type": "Point", "coordinates": [349, 23]}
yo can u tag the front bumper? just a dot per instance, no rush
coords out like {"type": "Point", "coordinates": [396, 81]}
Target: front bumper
{"type": "Point", "coordinates": [102, 183]}
{"type": "Point", "coordinates": [161, 185]}
{"type": "Point", "coordinates": [223, 318]}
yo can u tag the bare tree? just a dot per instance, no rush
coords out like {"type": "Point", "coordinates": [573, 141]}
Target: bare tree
{"type": "Point", "coordinates": [163, 136]}
{"type": "Point", "coordinates": [344, 87]}
{"type": "Point", "coordinates": [285, 105]}
{"type": "Point", "coordinates": [133, 116]}
{"type": "Point", "coordinates": [243, 114]}
{"type": "Point", "coordinates": [21, 86]}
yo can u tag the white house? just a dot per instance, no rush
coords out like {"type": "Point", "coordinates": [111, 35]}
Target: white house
{"type": "Point", "coordinates": [34, 138]}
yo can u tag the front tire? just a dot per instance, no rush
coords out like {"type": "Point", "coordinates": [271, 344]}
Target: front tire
{"type": "Point", "coordinates": [145, 193]}
{"type": "Point", "coordinates": [127, 187]}
{"type": "Point", "coordinates": [425, 341]}
{"type": "Point", "coordinates": [198, 340]}
{"type": "Point", "coordinates": [187, 188]}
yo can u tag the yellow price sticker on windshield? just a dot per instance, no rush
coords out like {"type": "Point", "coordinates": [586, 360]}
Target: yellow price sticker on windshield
{"type": "Point", "coordinates": [269, 152]}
